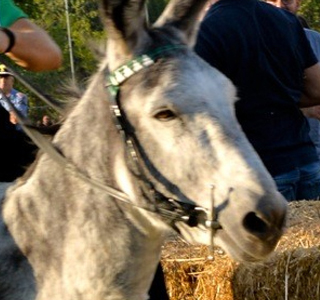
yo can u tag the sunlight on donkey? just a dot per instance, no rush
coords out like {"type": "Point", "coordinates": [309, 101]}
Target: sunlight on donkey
{"type": "Point", "coordinates": [179, 156]}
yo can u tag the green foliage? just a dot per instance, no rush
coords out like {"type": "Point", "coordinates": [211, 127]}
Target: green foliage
{"type": "Point", "coordinates": [86, 29]}
{"type": "Point", "coordinates": [84, 25]}
{"type": "Point", "coordinates": [310, 9]}
{"type": "Point", "coordinates": [155, 7]}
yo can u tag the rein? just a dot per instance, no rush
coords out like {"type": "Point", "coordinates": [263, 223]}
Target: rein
{"type": "Point", "coordinates": [171, 209]}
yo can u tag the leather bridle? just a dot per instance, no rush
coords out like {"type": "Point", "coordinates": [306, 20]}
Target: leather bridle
{"type": "Point", "coordinates": [167, 207]}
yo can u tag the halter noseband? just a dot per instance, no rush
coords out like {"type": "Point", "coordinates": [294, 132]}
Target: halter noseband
{"type": "Point", "coordinates": [171, 209]}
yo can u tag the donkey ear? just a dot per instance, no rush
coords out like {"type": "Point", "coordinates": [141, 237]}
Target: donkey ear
{"type": "Point", "coordinates": [183, 15]}
{"type": "Point", "coordinates": [125, 23]}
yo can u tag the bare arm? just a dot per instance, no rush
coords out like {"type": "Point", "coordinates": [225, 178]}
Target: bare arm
{"type": "Point", "coordinates": [312, 112]}
{"type": "Point", "coordinates": [34, 49]}
{"type": "Point", "coordinates": [311, 93]}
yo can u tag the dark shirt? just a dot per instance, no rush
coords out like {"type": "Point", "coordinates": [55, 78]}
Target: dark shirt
{"type": "Point", "coordinates": [264, 51]}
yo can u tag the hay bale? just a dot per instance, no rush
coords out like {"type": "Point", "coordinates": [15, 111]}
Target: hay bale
{"type": "Point", "coordinates": [292, 272]}
{"type": "Point", "coordinates": [191, 275]}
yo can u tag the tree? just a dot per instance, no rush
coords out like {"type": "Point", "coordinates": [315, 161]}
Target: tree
{"type": "Point", "coordinates": [85, 27]}
{"type": "Point", "coordinates": [155, 7]}
{"type": "Point", "coordinates": [310, 9]}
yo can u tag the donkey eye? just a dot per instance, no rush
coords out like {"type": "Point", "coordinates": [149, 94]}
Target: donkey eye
{"type": "Point", "coordinates": [165, 115]}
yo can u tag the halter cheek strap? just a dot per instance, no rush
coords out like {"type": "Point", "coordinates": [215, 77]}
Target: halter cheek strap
{"type": "Point", "coordinates": [173, 210]}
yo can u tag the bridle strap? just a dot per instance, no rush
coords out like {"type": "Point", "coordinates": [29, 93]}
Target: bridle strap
{"type": "Point", "coordinates": [188, 213]}
{"type": "Point", "coordinates": [113, 82]}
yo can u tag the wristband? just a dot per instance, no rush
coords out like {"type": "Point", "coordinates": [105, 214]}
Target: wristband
{"type": "Point", "coordinates": [11, 38]}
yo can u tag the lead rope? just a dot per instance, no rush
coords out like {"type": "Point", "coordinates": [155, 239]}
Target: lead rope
{"type": "Point", "coordinates": [213, 225]}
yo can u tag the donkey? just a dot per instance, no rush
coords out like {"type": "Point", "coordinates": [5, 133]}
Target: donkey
{"type": "Point", "coordinates": [169, 141]}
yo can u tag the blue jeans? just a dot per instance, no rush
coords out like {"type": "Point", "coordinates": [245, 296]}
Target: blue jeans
{"type": "Point", "coordinates": [300, 184]}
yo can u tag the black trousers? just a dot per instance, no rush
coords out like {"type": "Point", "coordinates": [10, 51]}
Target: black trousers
{"type": "Point", "coordinates": [158, 288]}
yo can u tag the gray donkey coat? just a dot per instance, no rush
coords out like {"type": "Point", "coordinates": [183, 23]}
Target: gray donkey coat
{"type": "Point", "coordinates": [64, 239]}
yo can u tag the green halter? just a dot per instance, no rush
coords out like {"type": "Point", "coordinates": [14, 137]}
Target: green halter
{"type": "Point", "coordinates": [116, 78]}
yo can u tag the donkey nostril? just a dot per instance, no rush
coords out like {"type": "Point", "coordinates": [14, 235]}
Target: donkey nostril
{"type": "Point", "coordinates": [255, 225]}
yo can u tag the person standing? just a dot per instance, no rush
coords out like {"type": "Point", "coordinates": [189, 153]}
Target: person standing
{"type": "Point", "coordinates": [17, 99]}
{"type": "Point", "coordinates": [266, 54]}
{"type": "Point", "coordinates": [312, 113]}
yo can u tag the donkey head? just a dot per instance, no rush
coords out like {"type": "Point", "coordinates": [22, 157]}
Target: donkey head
{"type": "Point", "coordinates": [180, 113]}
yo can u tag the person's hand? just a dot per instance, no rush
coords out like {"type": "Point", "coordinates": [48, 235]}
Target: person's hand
{"type": "Point", "coordinates": [13, 118]}
{"type": "Point", "coordinates": [312, 112]}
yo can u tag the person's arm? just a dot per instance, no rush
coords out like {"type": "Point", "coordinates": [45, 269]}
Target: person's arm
{"type": "Point", "coordinates": [312, 112]}
{"type": "Point", "coordinates": [311, 93]}
{"type": "Point", "coordinates": [33, 49]}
